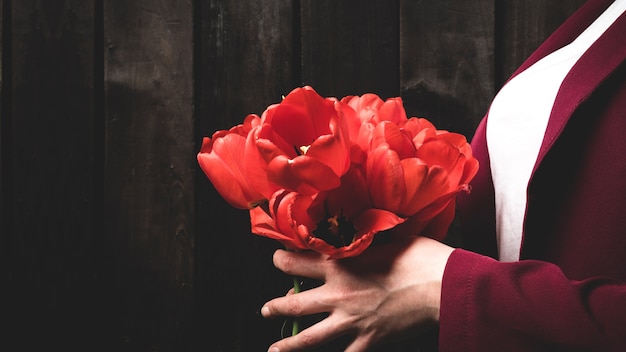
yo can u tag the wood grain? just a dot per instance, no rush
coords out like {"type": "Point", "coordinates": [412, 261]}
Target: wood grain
{"type": "Point", "coordinates": [51, 260]}
{"type": "Point", "coordinates": [350, 47]}
{"type": "Point", "coordinates": [245, 63]}
{"type": "Point", "coordinates": [447, 61]}
{"type": "Point", "coordinates": [111, 237]}
{"type": "Point", "coordinates": [149, 172]}
{"type": "Point", "coordinates": [522, 26]}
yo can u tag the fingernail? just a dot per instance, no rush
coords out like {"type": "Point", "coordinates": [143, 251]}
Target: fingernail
{"type": "Point", "coordinates": [273, 349]}
{"type": "Point", "coordinates": [265, 312]}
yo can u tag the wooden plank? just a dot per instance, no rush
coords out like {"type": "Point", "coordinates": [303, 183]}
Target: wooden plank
{"type": "Point", "coordinates": [350, 47]}
{"type": "Point", "coordinates": [522, 26]}
{"type": "Point", "coordinates": [446, 74]}
{"type": "Point", "coordinates": [51, 269]}
{"type": "Point", "coordinates": [6, 198]}
{"type": "Point", "coordinates": [446, 64]}
{"type": "Point", "coordinates": [150, 160]}
{"type": "Point", "coordinates": [245, 63]}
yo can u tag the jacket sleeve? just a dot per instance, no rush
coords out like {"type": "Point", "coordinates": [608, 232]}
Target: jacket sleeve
{"type": "Point", "coordinates": [528, 305]}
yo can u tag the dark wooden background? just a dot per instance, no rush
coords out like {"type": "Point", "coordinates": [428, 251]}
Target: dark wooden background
{"type": "Point", "coordinates": [111, 237]}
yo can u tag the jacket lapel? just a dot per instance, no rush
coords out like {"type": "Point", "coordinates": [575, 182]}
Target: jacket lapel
{"type": "Point", "coordinates": [602, 58]}
{"type": "Point", "coordinates": [577, 86]}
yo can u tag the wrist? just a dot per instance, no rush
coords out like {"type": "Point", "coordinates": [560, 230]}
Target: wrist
{"type": "Point", "coordinates": [434, 288]}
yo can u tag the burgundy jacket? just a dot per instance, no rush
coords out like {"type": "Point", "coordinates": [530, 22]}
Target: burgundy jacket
{"type": "Point", "coordinates": [568, 291]}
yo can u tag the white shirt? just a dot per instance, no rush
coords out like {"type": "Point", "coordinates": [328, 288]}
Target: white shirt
{"type": "Point", "coordinates": [517, 121]}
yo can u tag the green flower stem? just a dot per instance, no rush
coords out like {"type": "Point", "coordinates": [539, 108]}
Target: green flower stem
{"type": "Point", "coordinates": [295, 327]}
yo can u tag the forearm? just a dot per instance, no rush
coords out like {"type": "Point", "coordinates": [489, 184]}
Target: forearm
{"type": "Point", "coordinates": [528, 305]}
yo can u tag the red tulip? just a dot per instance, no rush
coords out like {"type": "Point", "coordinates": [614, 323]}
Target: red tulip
{"type": "Point", "coordinates": [276, 223]}
{"type": "Point", "coordinates": [234, 169]}
{"type": "Point", "coordinates": [416, 171]}
{"type": "Point", "coordinates": [305, 222]}
{"type": "Point", "coordinates": [364, 114]}
{"type": "Point", "coordinates": [366, 107]}
{"type": "Point", "coordinates": [347, 220]}
{"type": "Point", "coordinates": [304, 143]}
{"type": "Point", "coordinates": [370, 108]}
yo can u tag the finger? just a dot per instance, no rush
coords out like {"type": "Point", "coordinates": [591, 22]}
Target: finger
{"type": "Point", "coordinates": [295, 305]}
{"type": "Point", "coordinates": [306, 264]}
{"type": "Point", "coordinates": [360, 344]}
{"type": "Point", "coordinates": [317, 335]}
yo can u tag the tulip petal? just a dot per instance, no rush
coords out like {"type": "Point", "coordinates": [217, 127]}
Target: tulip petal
{"type": "Point", "coordinates": [355, 248]}
{"type": "Point", "coordinates": [376, 220]}
{"type": "Point", "coordinates": [470, 170]}
{"type": "Point", "coordinates": [440, 152]}
{"type": "Point", "coordinates": [264, 225]}
{"type": "Point", "coordinates": [332, 151]}
{"type": "Point", "coordinates": [424, 185]}
{"type": "Point", "coordinates": [365, 106]}
{"type": "Point", "coordinates": [352, 197]}
{"type": "Point", "coordinates": [302, 174]}
{"type": "Point", "coordinates": [279, 223]}
{"type": "Point", "coordinates": [271, 145]}
{"type": "Point", "coordinates": [435, 226]}
{"type": "Point", "coordinates": [393, 110]}
{"type": "Point", "coordinates": [416, 125]}
{"type": "Point", "coordinates": [385, 178]}
{"type": "Point", "coordinates": [224, 168]}
{"type": "Point", "coordinates": [256, 168]}
{"type": "Point", "coordinates": [398, 140]}
{"type": "Point", "coordinates": [368, 224]}
{"type": "Point", "coordinates": [303, 116]}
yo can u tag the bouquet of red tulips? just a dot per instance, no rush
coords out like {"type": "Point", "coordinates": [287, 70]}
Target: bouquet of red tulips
{"type": "Point", "coordinates": [327, 174]}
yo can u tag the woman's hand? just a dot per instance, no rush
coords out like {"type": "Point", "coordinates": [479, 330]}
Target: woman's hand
{"type": "Point", "coordinates": [391, 291]}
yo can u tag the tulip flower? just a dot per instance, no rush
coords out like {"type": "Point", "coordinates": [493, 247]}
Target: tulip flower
{"type": "Point", "coordinates": [235, 169]}
{"type": "Point", "coordinates": [304, 143]}
{"type": "Point", "coordinates": [333, 223]}
{"type": "Point", "coordinates": [417, 171]}
{"type": "Point", "coordinates": [364, 114]}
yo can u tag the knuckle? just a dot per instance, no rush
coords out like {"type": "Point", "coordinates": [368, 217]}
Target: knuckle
{"type": "Point", "coordinates": [344, 295]}
{"type": "Point", "coordinates": [308, 339]}
{"type": "Point", "coordinates": [285, 262]}
{"type": "Point", "coordinates": [293, 306]}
